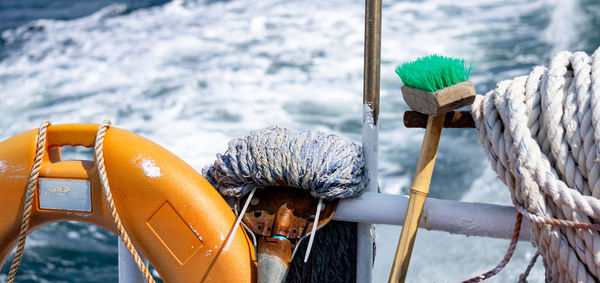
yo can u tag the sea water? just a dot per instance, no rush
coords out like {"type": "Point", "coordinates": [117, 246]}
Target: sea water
{"type": "Point", "coordinates": [190, 75]}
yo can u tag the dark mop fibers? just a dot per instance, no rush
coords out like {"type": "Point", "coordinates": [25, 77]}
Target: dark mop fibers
{"type": "Point", "coordinates": [332, 258]}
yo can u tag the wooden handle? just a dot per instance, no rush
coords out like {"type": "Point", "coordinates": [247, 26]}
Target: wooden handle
{"type": "Point", "coordinates": [454, 119]}
{"type": "Point", "coordinates": [418, 194]}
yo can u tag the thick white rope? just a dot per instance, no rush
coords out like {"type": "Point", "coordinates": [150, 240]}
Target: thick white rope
{"type": "Point", "coordinates": [542, 135]}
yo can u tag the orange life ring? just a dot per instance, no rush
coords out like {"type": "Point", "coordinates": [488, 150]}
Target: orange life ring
{"type": "Point", "coordinates": [174, 217]}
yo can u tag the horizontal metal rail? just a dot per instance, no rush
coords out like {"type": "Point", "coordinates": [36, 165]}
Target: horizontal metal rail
{"type": "Point", "coordinates": [455, 217]}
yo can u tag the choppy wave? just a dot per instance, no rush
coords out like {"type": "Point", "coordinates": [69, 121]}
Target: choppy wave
{"type": "Point", "coordinates": [220, 69]}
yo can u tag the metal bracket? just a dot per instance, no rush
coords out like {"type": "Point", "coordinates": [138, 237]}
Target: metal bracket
{"type": "Point", "coordinates": [286, 212]}
{"type": "Point", "coordinates": [281, 217]}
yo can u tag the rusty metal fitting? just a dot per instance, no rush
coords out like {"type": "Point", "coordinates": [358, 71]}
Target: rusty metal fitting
{"type": "Point", "coordinates": [281, 216]}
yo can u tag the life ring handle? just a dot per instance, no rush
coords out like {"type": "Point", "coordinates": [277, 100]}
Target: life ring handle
{"type": "Point", "coordinates": [71, 135]}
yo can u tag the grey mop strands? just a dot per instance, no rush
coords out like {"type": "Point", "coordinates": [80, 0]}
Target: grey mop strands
{"type": "Point", "coordinates": [329, 166]}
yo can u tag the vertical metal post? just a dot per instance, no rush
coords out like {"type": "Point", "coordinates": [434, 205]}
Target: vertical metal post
{"type": "Point", "coordinates": [372, 55]}
{"type": "Point", "coordinates": [128, 270]}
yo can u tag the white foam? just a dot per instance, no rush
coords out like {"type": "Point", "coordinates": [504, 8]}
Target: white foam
{"type": "Point", "coordinates": [72, 235]}
{"type": "Point", "coordinates": [565, 24]}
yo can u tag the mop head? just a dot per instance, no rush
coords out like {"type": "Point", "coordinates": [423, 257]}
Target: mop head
{"type": "Point", "coordinates": [434, 72]}
{"type": "Point", "coordinates": [327, 165]}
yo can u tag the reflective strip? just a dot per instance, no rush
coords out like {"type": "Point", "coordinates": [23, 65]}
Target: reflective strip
{"type": "Point", "coordinates": [65, 194]}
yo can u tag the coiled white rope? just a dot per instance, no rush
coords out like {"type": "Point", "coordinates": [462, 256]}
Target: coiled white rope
{"type": "Point", "coordinates": [542, 135]}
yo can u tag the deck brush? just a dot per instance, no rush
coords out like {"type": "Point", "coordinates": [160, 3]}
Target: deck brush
{"type": "Point", "coordinates": [433, 85]}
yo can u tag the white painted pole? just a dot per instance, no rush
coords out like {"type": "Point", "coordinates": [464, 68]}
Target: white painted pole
{"type": "Point", "coordinates": [128, 270]}
{"type": "Point", "coordinates": [372, 58]}
{"type": "Point", "coordinates": [455, 217]}
{"type": "Point", "coordinates": [364, 230]}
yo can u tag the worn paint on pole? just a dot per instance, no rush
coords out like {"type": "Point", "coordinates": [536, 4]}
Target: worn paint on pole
{"type": "Point", "coordinates": [365, 231]}
{"type": "Point", "coordinates": [372, 55]}
{"type": "Point", "coordinates": [370, 147]}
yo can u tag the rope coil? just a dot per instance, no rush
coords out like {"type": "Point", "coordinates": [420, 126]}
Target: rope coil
{"type": "Point", "coordinates": [542, 136]}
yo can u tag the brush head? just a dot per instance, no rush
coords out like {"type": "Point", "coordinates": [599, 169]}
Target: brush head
{"type": "Point", "coordinates": [434, 72]}
{"type": "Point", "coordinates": [434, 85]}
{"type": "Point", "coordinates": [441, 101]}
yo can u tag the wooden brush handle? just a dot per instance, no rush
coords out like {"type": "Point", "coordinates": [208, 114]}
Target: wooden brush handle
{"type": "Point", "coordinates": [418, 194]}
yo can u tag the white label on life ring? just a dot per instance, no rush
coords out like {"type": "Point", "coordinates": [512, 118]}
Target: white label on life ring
{"type": "Point", "coordinates": [65, 194]}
